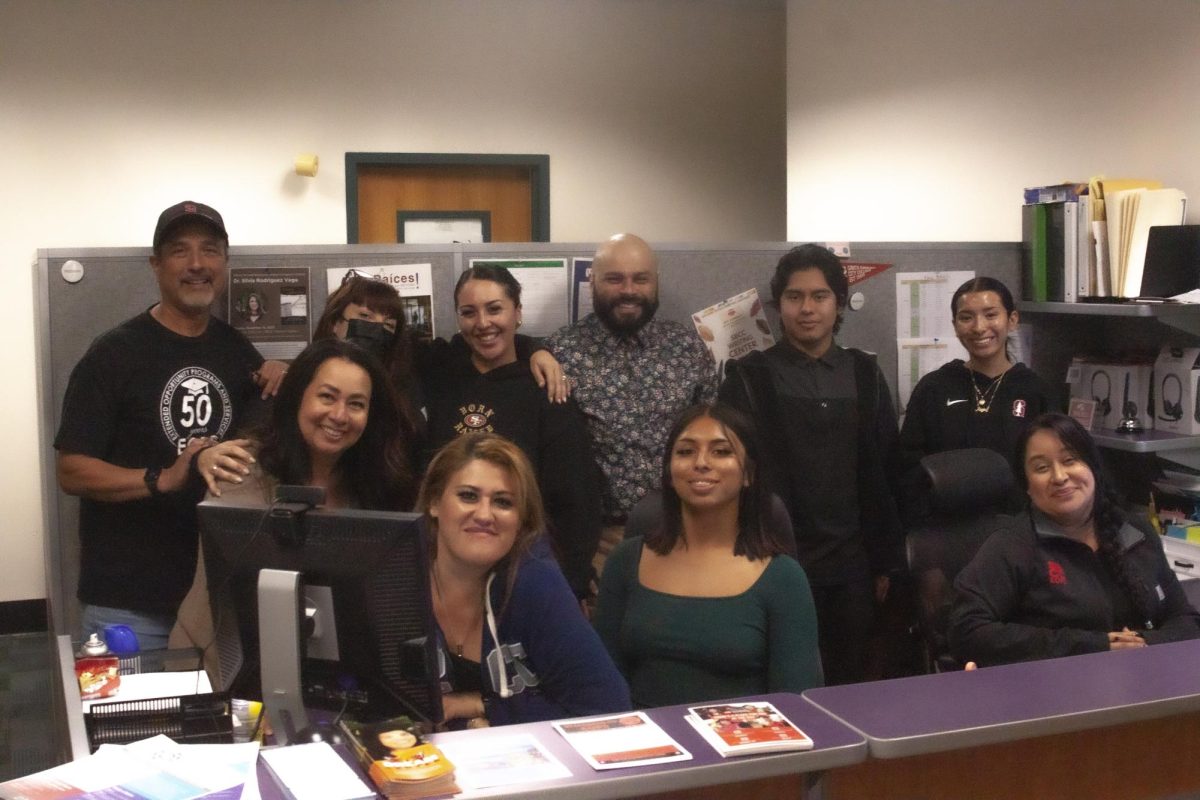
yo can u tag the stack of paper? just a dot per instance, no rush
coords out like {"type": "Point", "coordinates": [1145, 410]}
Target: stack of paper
{"type": "Point", "coordinates": [152, 768]}
{"type": "Point", "coordinates": [315, 772]}
{"type": "Point", "coordinates": [1130, 207]}
{"type": "Point", "coordinates": [1131, 214]}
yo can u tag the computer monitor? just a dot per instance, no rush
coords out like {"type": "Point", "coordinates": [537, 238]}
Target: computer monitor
{"type": "Point", "coordinates": [360, 594]}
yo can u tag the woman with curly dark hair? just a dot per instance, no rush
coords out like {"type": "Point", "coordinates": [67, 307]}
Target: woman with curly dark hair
{"type": "Point", "coordinates": [1075, 574]}
{"type": "Point", "coordinates": [335, 425]}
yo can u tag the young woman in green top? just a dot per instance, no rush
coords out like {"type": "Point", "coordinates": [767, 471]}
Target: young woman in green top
{"type": "Point", "coordinates": [709, 606]}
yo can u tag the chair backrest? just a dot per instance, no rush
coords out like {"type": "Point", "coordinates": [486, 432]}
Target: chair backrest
{"type": "Point", "coordinates": [969, 490]}
{"type": "Point", "coordinates": [646, 515]}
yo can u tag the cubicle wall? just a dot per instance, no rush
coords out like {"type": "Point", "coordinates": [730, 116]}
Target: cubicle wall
{"type": "Point", "coordinates": [117, 284]}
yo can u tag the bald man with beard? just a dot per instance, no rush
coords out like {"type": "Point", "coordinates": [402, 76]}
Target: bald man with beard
{"type": "Point", "coordinates": [633, 375]}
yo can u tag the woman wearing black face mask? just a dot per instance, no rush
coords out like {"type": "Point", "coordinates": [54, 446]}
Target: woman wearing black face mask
{"type": "Point", "coordinates": [375, 311]}
{"type": "Point", "coordinates": [370, 313]}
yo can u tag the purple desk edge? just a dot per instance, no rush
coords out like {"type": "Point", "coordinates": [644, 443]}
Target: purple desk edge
{"type": "Point", "coordinates": [934, 713]}
{"type": "Point", "coordinates": [834, 745]}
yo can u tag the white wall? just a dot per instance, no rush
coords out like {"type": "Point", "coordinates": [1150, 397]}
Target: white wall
{"type": "Point", "coordinates": [663, 117]}
{"type": "Point", "coordinates": [919, 120]}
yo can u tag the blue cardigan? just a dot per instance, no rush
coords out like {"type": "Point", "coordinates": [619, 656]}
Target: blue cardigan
{"type": "Point", "coordinates": [564, 671]}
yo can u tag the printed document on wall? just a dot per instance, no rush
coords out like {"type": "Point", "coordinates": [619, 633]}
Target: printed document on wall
{"type": "Point", "coordinates": [916, 357]}
{"type": "Point", "coordinates": [544, 291]}
{"type": "Point", "coordinates": [924, 325]}
{"type": "Point", "coordinates": [923, 302]}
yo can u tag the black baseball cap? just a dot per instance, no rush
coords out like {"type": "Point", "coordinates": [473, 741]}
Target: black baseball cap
{"type": "Point", "coordinates": [185, 210]}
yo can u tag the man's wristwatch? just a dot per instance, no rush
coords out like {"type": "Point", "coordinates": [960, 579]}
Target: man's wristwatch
{"type": "Point", "coordinates": [151, 479]}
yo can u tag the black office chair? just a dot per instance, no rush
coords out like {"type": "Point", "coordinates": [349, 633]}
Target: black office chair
{"type": "Point", "coordinates": [646, 515]}
{"type": "Point", "coordinates": [968, 490]}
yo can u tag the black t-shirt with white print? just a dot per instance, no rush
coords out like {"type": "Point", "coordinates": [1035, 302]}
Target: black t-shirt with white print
{"type": "Point", "coordinates": [134, 400]}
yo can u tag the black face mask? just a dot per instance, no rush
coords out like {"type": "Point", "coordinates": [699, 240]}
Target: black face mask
{"type": "Point", "coordinates": [370, 336]}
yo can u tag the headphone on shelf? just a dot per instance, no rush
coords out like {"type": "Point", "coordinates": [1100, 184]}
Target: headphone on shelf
{"type": "Point", "coordinates": [1172, 411]}
{"type": "Point", "coordinates": [1104, 406]}
{"type": "Point", "coordinates": [1128, 407]}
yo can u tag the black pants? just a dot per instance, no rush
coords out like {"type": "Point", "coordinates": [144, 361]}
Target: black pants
{"type": "Point", "coordinates": [845, 615]}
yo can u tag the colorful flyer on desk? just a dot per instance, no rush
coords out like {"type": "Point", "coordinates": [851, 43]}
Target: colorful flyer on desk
{"type": "Point", "coordinates": [621, 740]}
{"type": "Point", "coordinates": [745, 728]}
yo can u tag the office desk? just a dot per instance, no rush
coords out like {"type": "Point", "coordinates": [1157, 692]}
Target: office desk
{"type": "Point", "coordinates": [1122, 724]}
{"type": "Point", "coordinates": [706, 775]}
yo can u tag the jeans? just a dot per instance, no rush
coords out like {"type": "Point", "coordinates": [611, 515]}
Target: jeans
{"type": "Point", "coordinates": [151, 630]}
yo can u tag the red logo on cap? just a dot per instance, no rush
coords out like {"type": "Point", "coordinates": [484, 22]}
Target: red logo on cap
{"type": "Point", "coordinates": [189, 208]}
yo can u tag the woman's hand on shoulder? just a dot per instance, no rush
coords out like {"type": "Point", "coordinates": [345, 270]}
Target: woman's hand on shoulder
{"type": "Point", "coordinates": [548, 373]}
{"type": "Point", "coordinates": [227, 462]}
{"type": "Point", "coordinates": [269, 376]}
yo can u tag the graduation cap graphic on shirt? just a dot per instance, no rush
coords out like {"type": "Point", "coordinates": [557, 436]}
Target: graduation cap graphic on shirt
{"type": "Point", "coordinates": [196, 386]}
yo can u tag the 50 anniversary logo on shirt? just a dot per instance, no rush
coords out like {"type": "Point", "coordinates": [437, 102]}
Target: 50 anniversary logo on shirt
{"type": "Point", "coordinates": [194, 403]}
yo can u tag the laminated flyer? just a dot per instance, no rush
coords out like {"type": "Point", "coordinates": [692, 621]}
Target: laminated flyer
{"type": "Point", "coordinates": [621, 740]}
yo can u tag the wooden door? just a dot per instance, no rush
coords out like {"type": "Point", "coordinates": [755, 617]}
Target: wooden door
{"type": "Point", "coordinates": [513, 189]}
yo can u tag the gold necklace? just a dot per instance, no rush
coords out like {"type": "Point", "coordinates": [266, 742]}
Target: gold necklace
{"type": "Point", "coordinates": [983, 399]}
{"type": "Point", "coordinates": [462, 640]}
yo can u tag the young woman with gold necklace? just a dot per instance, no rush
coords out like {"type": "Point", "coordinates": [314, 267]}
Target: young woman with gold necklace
{"type": "Point", "coordinates": [985, 401]}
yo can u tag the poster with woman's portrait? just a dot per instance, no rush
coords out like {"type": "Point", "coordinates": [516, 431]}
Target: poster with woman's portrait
{"type": "Point", "coordinates": [270, 306]}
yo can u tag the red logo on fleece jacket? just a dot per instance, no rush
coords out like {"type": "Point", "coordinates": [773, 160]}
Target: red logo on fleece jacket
{"type": "Point", "coordinates": [1054, 572]}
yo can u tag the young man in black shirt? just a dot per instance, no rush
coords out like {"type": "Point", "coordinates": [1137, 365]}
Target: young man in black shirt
{"type": "Point", "coordinates": [828, 429]}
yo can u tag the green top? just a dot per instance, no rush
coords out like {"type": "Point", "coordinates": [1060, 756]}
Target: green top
{"type": "Point", "coordinates": [675, 649]}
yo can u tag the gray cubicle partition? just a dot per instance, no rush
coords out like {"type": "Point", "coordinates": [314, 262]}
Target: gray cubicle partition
{"type": "Point", "coordinates": [117, 284]}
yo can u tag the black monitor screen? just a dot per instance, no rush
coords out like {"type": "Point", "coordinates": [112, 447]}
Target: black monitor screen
{"type": "Point", "coordinates": [371, 567]}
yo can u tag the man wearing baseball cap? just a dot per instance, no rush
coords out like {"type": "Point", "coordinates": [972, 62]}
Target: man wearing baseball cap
{"type": "Point", "coordinates": [144, 403]}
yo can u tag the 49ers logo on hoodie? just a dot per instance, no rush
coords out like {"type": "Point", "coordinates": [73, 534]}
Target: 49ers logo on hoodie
{"type": "Point", "coordinates": [474, 418]}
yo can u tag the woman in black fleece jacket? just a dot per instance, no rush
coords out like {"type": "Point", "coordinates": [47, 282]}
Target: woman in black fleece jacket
{"type": "Point", "coordinates": [1072, 576]}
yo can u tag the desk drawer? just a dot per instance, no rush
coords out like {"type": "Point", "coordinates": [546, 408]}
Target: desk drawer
{"type": "Point", "coordinates": [1184, 557]}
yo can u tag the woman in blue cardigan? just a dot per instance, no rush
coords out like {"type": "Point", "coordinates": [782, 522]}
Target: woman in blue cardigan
{"type": "Point", "coordinates": [517, 646]}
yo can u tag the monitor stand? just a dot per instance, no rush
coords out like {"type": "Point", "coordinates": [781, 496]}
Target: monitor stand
{"type": "Point", "coordinates": [280, 594]}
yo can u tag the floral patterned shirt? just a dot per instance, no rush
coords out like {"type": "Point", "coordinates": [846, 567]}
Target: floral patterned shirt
{"type": "Point", "coordinates": [631, 389]}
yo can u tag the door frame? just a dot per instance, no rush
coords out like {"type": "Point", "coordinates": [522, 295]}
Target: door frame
{"type": "Point", "coordinates": [539, 172]}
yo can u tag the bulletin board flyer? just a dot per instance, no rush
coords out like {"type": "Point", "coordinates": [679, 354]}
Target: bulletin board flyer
{"type": "Point", "coordinates": [734, 327]}
{"type": "Point", "coordinates": [270, 307]}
